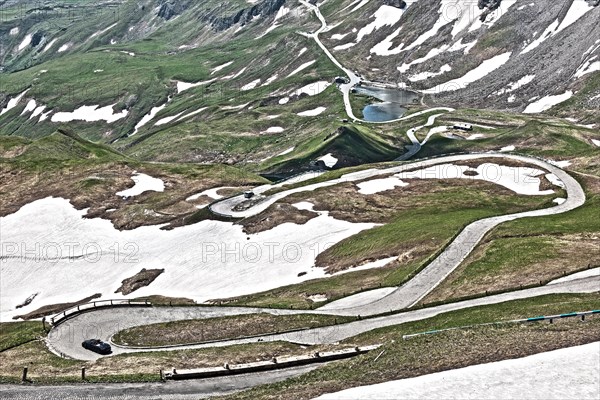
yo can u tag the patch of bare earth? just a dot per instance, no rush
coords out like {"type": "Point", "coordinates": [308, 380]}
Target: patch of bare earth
{"type": "Point", "coordinates": [55, 308]}
{"type": "Point", "coordinates": [143, 278]}
{"type": "Point", "coordinates": [276, 215]}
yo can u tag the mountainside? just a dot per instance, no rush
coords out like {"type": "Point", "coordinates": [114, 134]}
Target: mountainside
{"type": "Point", "coordinates": [513, 52]}
{"type": "Point", "coordinates": [238, 81]}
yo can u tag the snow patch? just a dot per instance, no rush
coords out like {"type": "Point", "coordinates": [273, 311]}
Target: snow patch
{"type": "Point", "coordinates": [251, 85]}
{"type": "Point", "coordinates": [148, 117]}
{"type": "Point", "coordinates": [31, 105]}
{"type": "Point", "coordinates": [26, 42]}
{"type": "Point", "coordinates": [143, 183]}
{"type": "Point", "coordinates": [577, 10]}
{"type": "Point", "coordinates": [579, 275]}
{"type": "Point", "coordinates": [570, 373]}
{"type": "Point", "coordinates": [329, 160]}
{"type": "Point", "coordinates": [12, 103]}
{"type": "Point", "coordinates": [64, 47]}
{"type": "Point", "coordinates": [220, 67]}
{"type": "Point", "coordinates": [49, 45]}
{"type": "Point", "coordinates": [521, 180]}
{"type": "Point", "coordinates": [183, 86]}
{"type": "Point", "coordinates": [274, 129]}
{"type": "Point", "coordinates": [302, 67]}
{"type": "Point", "coordinates": [209, 271]}
{"type": "Point", "coordinates": [484, 69]}
{"type": "Point", "coordinates": [90, 114]}
{"type": "Point", "coordinates": [546, 103]}
{"type": "Point", "coordinates": [313, 89]}
{"type": "Point", "coordinates": [379, 185]}
{"type": "Point", "coordinates": [312, 113]}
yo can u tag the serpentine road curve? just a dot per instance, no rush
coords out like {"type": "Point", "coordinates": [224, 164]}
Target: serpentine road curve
{"type": "Point", "coordinates": [425, 281]}
{"type": "Point", "coordinates": [66, 338]}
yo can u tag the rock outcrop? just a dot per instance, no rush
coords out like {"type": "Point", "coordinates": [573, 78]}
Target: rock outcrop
{"type": "Point", "coordinates": [265, 8]}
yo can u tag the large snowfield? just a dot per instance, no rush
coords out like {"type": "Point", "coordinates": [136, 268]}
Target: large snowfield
{"type": "Point", "coordinates": [65, 257]}
{"type": "Point", "coordinates": [571, 373]}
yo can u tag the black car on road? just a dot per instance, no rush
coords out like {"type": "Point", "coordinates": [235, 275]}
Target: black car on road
{"type": "Point", "coordinates": [97, 346]}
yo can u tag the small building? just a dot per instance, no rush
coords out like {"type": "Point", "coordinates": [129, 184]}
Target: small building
{"type": "Point", "coordinates": [463, 127]}
{"type": "Point", "coordinates": [249, 194]}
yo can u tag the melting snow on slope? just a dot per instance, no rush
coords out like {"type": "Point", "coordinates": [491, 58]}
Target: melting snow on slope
{"type": "Point", "coordinates": [578, 275]}
{"type": "Point", "coordinates": [479, 72]}
{"type": "Point", "coordinates": [466, 47]}
{"type": "Point", "coordinates": [49, 45]}
{"type": "Point", "coordinates": [426, 75]}
{"type": "Point", "coordinates": [521, 180]}
{"type": "Point", "coordinates": [384, 16]}
{"type": "Point", "coordinates": [90, 114]}
{"type": "Point", "coordinates": [312, 113]}
{"type": "Point", "coordinates": [103, 31]}
{"type": "Point", "coordinates": [220, 67]}
{"type": "Point", "coordinates": [313, 89]}
{"type": "Point", "coordinates": [527, 79]}
{"type": "Point", "coordinates": [571, 373]}
{"type": "Point", "coordinates": [196, 252]}
{"type": "Point", "coordinates": [12, 103]}
{"type": "Point", "coordinates": [588, 67]}
{"type": "Point", "coordinates": [302, 67]}
{"type": "Point", "coordinates": [167, 120]}
{"type": "Point", "coordinates": [142, 184]}
{"type": "Point", "coordinates": [553, 179]}
{"type": "Point", "coordinates": [329, 160]}
{"type": "Point", "coordinates": [251, 85]}
{"type": "Point", "coordinates": [274, 129]}
{"type": "Point", "coordinates": [559, 164]}
{"type": "Point", "coordinates": [460, 13]}
{"type": "Point", "coordinates": [547, 103]}
{"type": "Point", "coordinates": [31, 106]}
{"type": "Point", "coordinates": [192, 113]}
{"type": "Point", "coordinates": [379, 185]}
{"type": "Point", "coordinates": [270, 80]}
{"type": "Point", "coordinates": [596, 142]}
{"type": "Point", "coordinates": [183, 86]}
{"type": "Point", "coordinates": [288, 151]}
{"type": "Point", "coordinates": [64, 47]}
{"type": "Point", "coordinates": [493, 16]}
{"type": "Point", "coordinates": [26, 42]}
{"type": "Point", "coordinates": [148, 117]}
{"type": "Point", "coordinates": [577, 10]}
{"type": "Point", "coordinates": [39, 110]}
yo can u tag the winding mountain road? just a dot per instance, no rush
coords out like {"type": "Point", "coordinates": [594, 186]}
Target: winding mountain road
{"type": "Point", "coordinates": [103, 324]}
{"type": "Point", "coordinates": [66, 338]}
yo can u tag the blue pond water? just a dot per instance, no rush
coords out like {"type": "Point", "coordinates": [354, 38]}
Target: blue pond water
{"type": "Point", "coordinates": [392, 106]}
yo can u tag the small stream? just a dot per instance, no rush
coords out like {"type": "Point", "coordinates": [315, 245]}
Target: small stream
{"type": "Point", "coordinates": [392, 106]}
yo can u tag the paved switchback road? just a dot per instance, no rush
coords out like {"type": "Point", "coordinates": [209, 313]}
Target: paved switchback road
{"type": "Point", "coordinates": [67, 337]}
{"type": "Point", "coordinates": [171, 390]}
